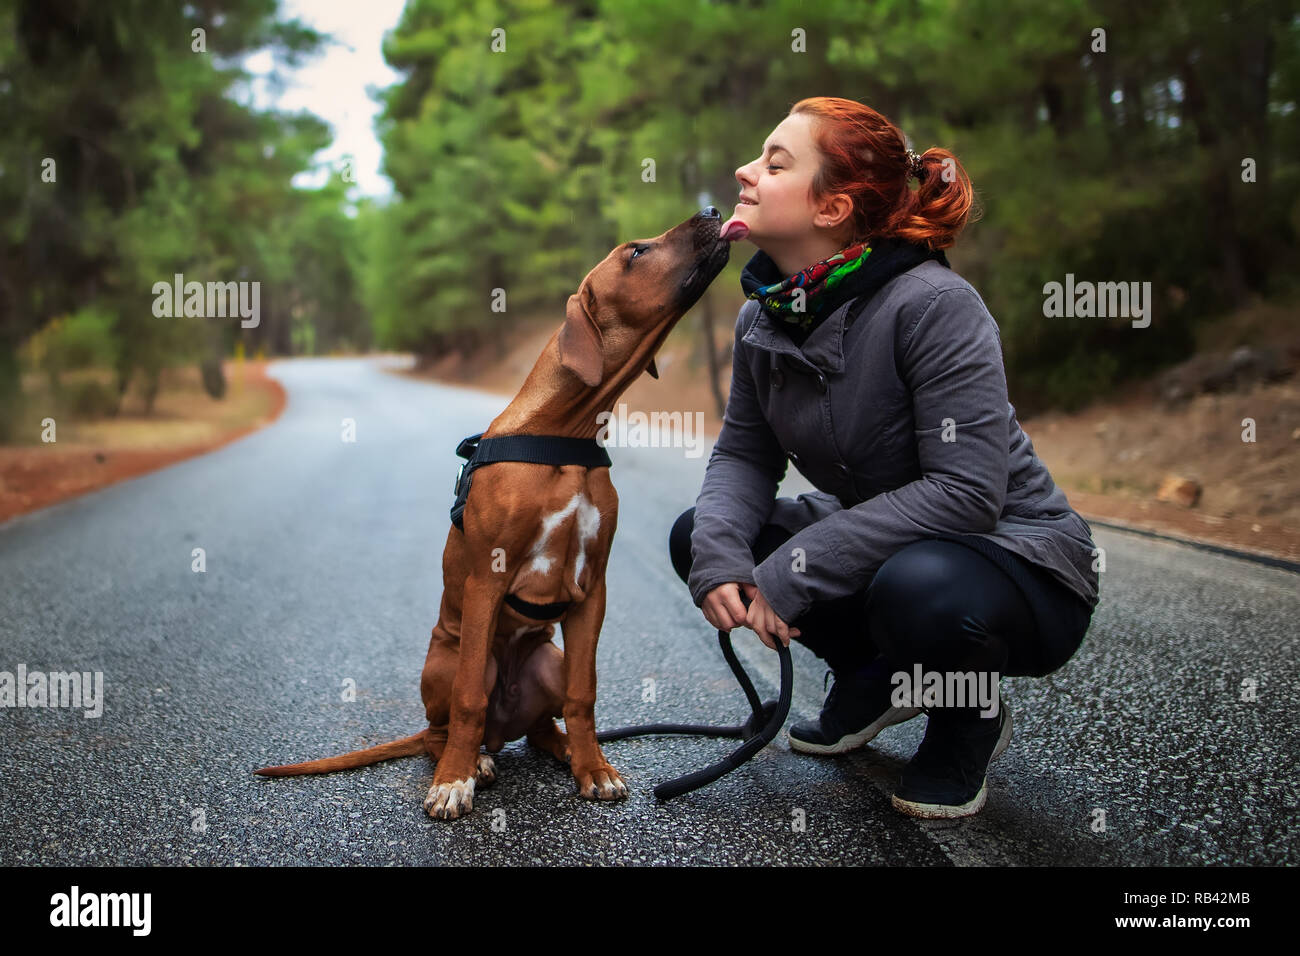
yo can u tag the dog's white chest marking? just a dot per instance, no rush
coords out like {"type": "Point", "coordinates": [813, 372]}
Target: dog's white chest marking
{"type": "Point", "coordinates": [588, 518]}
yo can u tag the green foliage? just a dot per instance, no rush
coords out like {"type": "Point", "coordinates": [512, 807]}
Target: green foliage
{"type": "Point", "coordinates": [128, 157]}
{"type": "Point", "coordinates": [84, 340]}
{"type": "Point", "coordinates": [1122, 165]}
{"type": "Point", "coordinates": [518, 170]}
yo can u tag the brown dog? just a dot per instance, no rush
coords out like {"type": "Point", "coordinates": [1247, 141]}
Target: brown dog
{"type": "Point", "coordinates": [543, 533]}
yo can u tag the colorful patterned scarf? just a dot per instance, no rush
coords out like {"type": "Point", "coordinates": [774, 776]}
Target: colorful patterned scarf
{"type": "Point", "coordinates": [816, 280]}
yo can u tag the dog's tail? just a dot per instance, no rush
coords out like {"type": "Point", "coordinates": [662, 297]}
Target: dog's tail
{"type": "Point", "coordinates": [406, 747]}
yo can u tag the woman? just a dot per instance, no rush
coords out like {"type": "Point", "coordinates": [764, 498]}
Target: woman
{"type": "Point", "coordinates": [937, 541]}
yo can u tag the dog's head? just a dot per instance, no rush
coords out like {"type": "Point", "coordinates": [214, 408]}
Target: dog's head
{"type": "Point", "coordinates": [637, 293]}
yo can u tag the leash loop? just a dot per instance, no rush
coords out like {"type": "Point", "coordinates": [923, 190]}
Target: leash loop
{"type": "Point", "coordinates": [759, 730]}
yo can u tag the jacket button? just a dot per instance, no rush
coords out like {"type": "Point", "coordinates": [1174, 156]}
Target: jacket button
{"type": "Point", "coordinates": [794, 458]}
{"type": "Point", "coordinates": [821, 383]}
{"type": "Point", "coordinates": [843, 469]}
{"type": "Point", "coordinates": [778, 378]}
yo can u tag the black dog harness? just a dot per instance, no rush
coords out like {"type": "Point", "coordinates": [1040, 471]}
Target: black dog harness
{"type": "Point", "coordinates": [537, 449]}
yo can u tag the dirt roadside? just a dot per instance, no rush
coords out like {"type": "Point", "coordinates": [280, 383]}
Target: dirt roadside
{"type": "Point", "coordinates": [185, 423]}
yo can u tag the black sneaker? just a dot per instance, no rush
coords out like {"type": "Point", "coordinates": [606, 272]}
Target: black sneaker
{"type": "Point", "coordinates": [857, 708]}
{"type": "Point", "coordinates": [946, 778]}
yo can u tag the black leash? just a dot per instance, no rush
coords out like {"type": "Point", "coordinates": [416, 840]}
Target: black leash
{"type": "Point", "coordinates": [765, 719]}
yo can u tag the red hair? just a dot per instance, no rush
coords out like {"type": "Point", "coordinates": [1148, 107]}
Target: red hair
{"type": "Point", "coordinates": [865, 156]}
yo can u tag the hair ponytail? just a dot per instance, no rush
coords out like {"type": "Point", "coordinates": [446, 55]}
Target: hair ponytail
{"type": "Point", "coordinates": [940, 207]}
{"type": "Point", "coordinates": [865, 156]}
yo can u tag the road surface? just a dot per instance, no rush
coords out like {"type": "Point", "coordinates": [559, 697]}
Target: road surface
{"type": "Point", "coordinates": [323, 567]}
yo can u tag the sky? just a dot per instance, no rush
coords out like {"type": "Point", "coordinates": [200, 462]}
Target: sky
{"type": "Point", "coordinates": [334, 84]}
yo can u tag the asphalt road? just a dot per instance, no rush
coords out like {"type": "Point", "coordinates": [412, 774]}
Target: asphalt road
{"type": "Point", "coordinates": [323, 565]}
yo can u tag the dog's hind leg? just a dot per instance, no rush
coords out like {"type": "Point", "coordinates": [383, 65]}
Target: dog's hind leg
{"type": "Point", "coordinates": [547, 735]}
{"type": "Point", "coordinates": [436, 742]}
{"type": "Point", "coordinates": [546, 673]}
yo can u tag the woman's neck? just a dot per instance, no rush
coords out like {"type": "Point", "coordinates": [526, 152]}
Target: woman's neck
{"type": "Point", "coordinates": [791, 256]}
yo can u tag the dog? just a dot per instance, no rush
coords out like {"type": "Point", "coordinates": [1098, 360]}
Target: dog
{"type": "Point", "coordinates": [542, 534]}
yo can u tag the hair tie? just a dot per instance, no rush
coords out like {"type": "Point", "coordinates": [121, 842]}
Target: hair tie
{"type": "Point", "coordinates": [914, 165]}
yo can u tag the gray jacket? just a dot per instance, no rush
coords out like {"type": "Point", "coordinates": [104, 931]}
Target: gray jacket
{"type": "Point", "coordinates": [903, 423]}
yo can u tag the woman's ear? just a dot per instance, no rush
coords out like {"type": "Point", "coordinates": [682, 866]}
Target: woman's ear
{"type": "Point", "coordinates": [581, 346]}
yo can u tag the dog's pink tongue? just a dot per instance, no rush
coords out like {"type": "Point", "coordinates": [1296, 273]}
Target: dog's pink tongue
{"type": "Point", "coordinates": [733, 230]}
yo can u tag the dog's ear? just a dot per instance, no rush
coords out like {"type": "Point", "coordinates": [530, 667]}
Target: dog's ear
{"type": "Point", "coordinates": [581, 347]}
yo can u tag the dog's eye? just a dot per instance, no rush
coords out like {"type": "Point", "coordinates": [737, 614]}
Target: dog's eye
{"type": "Point", "coordinates": [637, 250]}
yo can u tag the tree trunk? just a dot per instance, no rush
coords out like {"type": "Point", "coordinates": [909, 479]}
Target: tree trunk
{"type": "Point", "coordinates": [711, 353]}
{"type": "Point", "coordinates": [1218, 189]}
{"type": "Point", "coordinates": [1104, 73]}
{"type": "Point", "coordinates": [1134, 110]}
{"type": "Point", "coordinates": [11, 389]}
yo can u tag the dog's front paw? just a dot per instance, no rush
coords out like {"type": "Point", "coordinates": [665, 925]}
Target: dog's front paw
{"type": "Point", "coordinates": [486, 772]}
{"type": "Point", "coordinates": [447, 801]}
{"type": "Point", "coordinates": [602, 783]}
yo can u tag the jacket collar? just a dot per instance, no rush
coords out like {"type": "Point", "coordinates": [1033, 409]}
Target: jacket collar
{"type": "Point", "coordinates": [824, 346]}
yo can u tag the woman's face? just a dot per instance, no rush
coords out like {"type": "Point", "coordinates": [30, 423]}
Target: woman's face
{"type": "Point", "coordinates": [780, 182]}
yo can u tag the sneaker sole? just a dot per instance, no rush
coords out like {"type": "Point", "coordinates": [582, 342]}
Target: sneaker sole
{"type": "Point", "coordinates": [1004, 738]}
{"type": "Point", "coordinates": [939, 811]}
{"type": "Point", "coordinates": [895, 715]}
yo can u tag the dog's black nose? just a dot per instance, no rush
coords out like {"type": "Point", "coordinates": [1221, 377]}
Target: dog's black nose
{"type": "Point", "coordinates": [709, 212]}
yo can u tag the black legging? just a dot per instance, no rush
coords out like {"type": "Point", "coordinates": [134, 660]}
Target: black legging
{"type": "Point", "coordinates": [937, 603]}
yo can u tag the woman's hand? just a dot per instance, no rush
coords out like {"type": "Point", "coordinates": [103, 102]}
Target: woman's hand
{"type": "Point", "coordinates": [724, 609]}
{"type": "Point", "coordinates": [765, 622]}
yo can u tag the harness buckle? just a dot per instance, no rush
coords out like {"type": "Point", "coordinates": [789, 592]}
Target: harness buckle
{"type": "Point", "coordinates": [467, 446]}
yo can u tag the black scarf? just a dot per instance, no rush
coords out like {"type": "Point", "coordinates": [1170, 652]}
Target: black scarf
{"type": "Point", "coordinates": [889, 257]}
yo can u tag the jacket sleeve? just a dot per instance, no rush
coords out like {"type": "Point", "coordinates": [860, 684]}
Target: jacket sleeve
{"type": "Point", "coordinates": [740, 481]}
{"type": "Point", "coordinates": [952, 365]}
